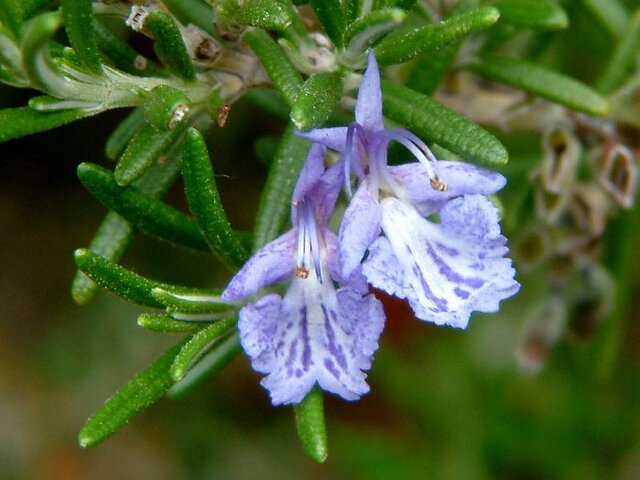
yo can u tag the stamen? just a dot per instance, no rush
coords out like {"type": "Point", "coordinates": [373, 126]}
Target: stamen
{"type": "Point", "coordinates": [308, 241]}
{"type": "Point", "coordinates": [419, 150]}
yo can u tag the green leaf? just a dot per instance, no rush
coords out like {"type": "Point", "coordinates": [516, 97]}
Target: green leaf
{"type": "Point", "coordinates": [316, 100]}
{"type": "Point", "coordinates": [311, 425]}
{"type": "Point", "coordinates": [611, 14]}
{"type": "Point", "coordinates": [204, 201]}
{"type": "Point", "coordinates": [11, 16]}
{"type": "Point", "coordinates": [533, 13]}
{"type": "Point", "coordinates": [266, 14]}
{"type": "Point", "coordinates": [36, 34]}
{"type": "Point", "coordinates": [158, 322]}
{"type": "Point", "coordinates": [78, 22]}
{"type": "Point", "coordinates": [141, 391]}
{"type": "Point", "coordinates": [143, 151]}
{"type": "Point", "coordinates": [123, 56]}
{"type": "Point", "coordinates": [123, 133]}
{"type": "Point", "coordinates": [331, 18]}
{"type": "Point", "coordinates": [169, 45]}
{"type": "Point", "coordinates": [115, 233]}
{"type": "Point", "coordinates": [144, 211]}
{"type": "Point", "coordinates": [283, 74]}
{"type": "Point", "coordinates": [193, 11]}
{"type": "Point", "coordinates": [22, 121]}
{"type": "Point", "coordinates": [541, 81]}
{"type": "Point", "coordinates": [275, 202]}
{"type": "Point", "coordinates": [199, 302]}
{"type": "Point", "coordinates": [367, 30]}
{"type": "Point", "coordinates": [111, 240]}
{"type": "Point", "coordinates": [118, 280]}
{"type": "Point", "coordinates": [623, 58]}
{"type": "Point", "coordinates": [436, 123]}
{"type": "Point", "coordinates": [402, 48]}
{"type": "Point", "coordinates": [199, 342]}
{"type": "Point", "coordinates": [351, 9]}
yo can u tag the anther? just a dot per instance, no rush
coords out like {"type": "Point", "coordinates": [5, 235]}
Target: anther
{"type": "Point", "coordinates": [438, 184]}
{"type": "Point", "coordinates": [302, 272]}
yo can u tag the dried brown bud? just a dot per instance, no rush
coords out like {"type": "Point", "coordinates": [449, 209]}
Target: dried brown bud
{"type": "Point", "coordinates": [616, 170]}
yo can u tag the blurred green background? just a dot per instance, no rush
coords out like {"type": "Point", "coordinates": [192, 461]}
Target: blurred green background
{"type": "Point", "coordinates": [444, 404]}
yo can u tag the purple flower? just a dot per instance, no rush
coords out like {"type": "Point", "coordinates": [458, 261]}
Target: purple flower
{"type": "Point", "coordinates": [445, 270]}
{"type": "Point", "coordinates": [315, 333]}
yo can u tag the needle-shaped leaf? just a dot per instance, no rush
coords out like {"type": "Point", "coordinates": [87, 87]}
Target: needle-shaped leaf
{"type": "Point", "coordinates": [404, 47]}
{"type": "Point", "coordinates": [283, 74]}
{"type": "Point", "coordinates": [118, 280]}
{"type": "Point", "coordinates": [204, 201]}
{"type": "Point", "coordinates": [11, 16]}
{"type": "Point", "coordinates": [158, 322]}
{"type": "Point", "coordinates": [267, 14]}
{"type": "Point", "coordinates": [311, 426]}
{"type": "Point", "coordinates": [365, 31]}
{"type": "Point", "coordinates": [192, 302]}
{"type": "Point", "coordinates": [141, 391]}
{"type": "Point", "coordinates": [218, 357]}
{"type": "Point", "coordinates": [532, 13]}
{"type": "Point", "coordinates": [436, 123]}
{"type": "Point", "coordinates": [78, 22]}
{"type": "Point", "coordinates": [623, 58]}
{"type": "Point", "coordinates": [144, 211]}
{"type": "Point", "coordinates": [316, 100]}
{"type": "Point", "coordinates": [115, 233]}
{"type": "Point", "coordinates": [193, 11]}
{"type": "Point", "coordinates": [194, 348]}
{"type": "Point", "coordinates": [331, 18]}
{"type": "Point", "coordinates": [611, 14]}
{"type": "Point", "coordinates": [36, 34]}
{"type": "Point", "coordinates": [276, 196]}
{"type": "Point", "coordinates": [123, 55]}
{"type": "Point", "coordinates": [111, 240]}
{"type": "Point", "coordinates": [541, 81]}
{"type": "Point", "coordinates": [21, 121]}
{"type": "Point", "coordinates": [123, 133]}
{"type": "Point", "coordinates": [144, 149]}
{"type": "Point", "coordinates": [169, 45]}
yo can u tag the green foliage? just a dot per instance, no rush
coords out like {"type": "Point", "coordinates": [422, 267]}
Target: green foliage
{"type": "Point", "coordinates": [311, 426]}
{"type": "Point", "coordinates": [78, 21]}
{"type": "Point", "coordinates": [541, 81]}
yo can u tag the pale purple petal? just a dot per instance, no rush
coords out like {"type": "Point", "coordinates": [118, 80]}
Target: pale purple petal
{"type": "Point", "coordinates": [383, 270]}
{"type": "Point", "coordinates": [327, 191]}
{"type": "Point", "coordinates": [273, 263]}
{"type": "Point", "coordinates": [332, 137]}
{"type": "Point", "coordinates": [369, 102]}
{"type": "Point", "coordinates": [357, 282]}
{"type": "Point", "coordinates": [311, 172]}
{"type": "Point", "coordinates": [461, 179]}
{"type": "Point", "coordinates": [360, 226]}
{"type": "Point", "coordinates": [257, 324]}
{"type": "Point", "coordinates": [448, 269]}
{"type": "Point", "coordinates": [314, 335]}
